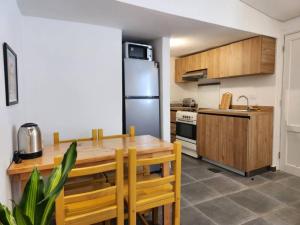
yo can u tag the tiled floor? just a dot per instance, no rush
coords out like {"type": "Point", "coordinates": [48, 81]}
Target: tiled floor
{"type": "Point", "coordinates": [226, 198]}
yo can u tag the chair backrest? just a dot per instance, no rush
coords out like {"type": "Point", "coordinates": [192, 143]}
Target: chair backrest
{"type": "Point", "coordinates": [57, 140]}
{"type": "Point", "coordinates": [133, 184]}
{"type": "Point", "coordinates": [102, 137]}
{"type": "Point", "coordinates": [93, 206]}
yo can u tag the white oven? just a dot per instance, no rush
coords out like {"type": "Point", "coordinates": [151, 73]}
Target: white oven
{"type": "Point", "coordinates": [186, 132]}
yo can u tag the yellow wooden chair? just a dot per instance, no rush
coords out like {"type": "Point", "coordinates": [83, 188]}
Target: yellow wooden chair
{"type": "Point", "coordinates": [148, 194]}
{"type": "Point", "coordinates": [75, 185]}
{"type": "Point", "coordinates": [57, 140]}
{"type": "Point", "coordinates": [102, 137]}
{"type": "Point", "coordinates": [93, 206]}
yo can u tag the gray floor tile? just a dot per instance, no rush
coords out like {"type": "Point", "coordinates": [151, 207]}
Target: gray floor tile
{"type": "Point", "coordinates": [247, 181]}
{"type": "Point", "coordinates": [258, 221]}
{"type": "Point", "coordinates": [274, 176]}
{"type": "Point", "coordinates": [189, 162]}
{"type": "Point", "coordinates": [199, 173]}
{"type": "Point", "coordinates": [185, 179]}
{"type": "Point", "coordinates": [223, 185]}
{"type": "Point", "coordinates": [191, 216]}
{"type": "Point", "coordinates": [293, 182]}
{"type": "Point", "coordinates": [255, 201]}
{"type": "Point", "coordinates": [284, 216]}
{"type": "Point", "coordinates": [197, 192]}
{"type": "Point", "coordinates": [184, 203]}
{"type": "Point", "coordinates": [280, 192]}
{"type": "Point", "coordinates": [223, 211]}
{"type": "Point", "coordinates": [296, 205]}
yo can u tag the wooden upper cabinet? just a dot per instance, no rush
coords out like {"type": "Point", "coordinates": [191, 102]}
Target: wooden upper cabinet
{"type": "Point", "coordinates": [252, 56]}
{"type": "Point", "coordinates": [180, 69]}
{"type": "Point", "coordinates": [213, 63]}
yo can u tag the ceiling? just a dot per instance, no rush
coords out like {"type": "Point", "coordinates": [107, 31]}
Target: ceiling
{"type": "Point", "coordinates": [187, 35]}
{"type": "Point", "coordinates": [282, 10]}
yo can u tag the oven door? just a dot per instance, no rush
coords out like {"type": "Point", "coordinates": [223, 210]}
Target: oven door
{"type": "Point", "coordinates": [186, 131]}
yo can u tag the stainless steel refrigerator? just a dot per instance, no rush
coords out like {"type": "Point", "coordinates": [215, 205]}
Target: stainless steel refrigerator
{"type": "Point", "coordinates": [141, 97]}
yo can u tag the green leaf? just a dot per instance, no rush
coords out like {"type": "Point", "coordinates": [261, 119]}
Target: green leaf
{"type": "Point", "coordinates": [56, 182]}
{"type": "Point", "coordinates": [58, 179]}
{"type": "Point", "coordinates": [40, 197]}
{"type": "Point", "coordinates": [30, 199]}
{"type": "Point", "coordinates": [6, 217]}
{"type": "Point", "coordinates": [20, 217]}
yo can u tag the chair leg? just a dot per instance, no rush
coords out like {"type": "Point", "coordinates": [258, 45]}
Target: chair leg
{"type": "Point", "coordinates": [176, 213]}
{"type": "Point", "coordinates": [142, 218]}
{"type": "Point", "coordinates": [155, 216]}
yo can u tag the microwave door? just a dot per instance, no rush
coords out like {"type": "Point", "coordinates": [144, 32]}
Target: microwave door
{"type": "Point", "coordinates": [140, 78]}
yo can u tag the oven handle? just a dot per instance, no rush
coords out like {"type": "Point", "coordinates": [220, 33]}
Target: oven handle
{"type": "Point", "coordinates": [187, 122]}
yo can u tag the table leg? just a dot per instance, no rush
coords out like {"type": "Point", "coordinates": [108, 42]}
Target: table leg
{"type": "Point", "coordinates": [166, 208]}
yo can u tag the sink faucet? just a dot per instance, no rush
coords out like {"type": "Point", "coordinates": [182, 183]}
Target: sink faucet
{"type": "Point", "coordinates": [245, 97]}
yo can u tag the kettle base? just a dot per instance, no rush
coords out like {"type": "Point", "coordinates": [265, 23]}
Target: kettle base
{"type": "Point", "coordinates": [31, 155]}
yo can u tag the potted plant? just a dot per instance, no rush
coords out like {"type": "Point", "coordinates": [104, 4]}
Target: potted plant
{"type": "Point", "coordinates": [38, 200]}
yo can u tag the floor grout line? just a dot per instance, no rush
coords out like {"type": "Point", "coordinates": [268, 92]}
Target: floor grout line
{"type": "Point", "coordinates": [243, 187]}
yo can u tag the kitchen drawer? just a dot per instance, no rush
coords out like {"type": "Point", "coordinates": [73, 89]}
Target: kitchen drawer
{"type": "Point", "coordinates": [173, 128]}
{"type": "Point", "coordinates": [173, 116]}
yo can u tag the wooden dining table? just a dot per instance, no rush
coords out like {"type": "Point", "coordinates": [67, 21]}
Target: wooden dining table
{"type": "Point", "coordinates": [91, 153]}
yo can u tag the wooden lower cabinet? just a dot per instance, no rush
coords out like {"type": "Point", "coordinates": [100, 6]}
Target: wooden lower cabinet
{"type": "Point", "coordinates": [243, 143]}
{"type": "Point", "coordinates": [233, 138]}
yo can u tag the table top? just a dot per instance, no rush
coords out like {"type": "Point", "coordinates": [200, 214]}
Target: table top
{"type": "Point", "coordinates": [91, 152]}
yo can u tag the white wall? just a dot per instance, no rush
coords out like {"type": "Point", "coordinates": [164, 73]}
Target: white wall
{"type": "Point", "coordinates": [161, 48]}
{"type": "Point", "coordinates": [10, 30]}
{"type": "Point", "coordinates": [73, 77]}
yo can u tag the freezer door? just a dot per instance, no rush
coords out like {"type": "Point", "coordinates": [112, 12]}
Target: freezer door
{"type": "Point", "coordinates": [140, 77]}
{"type": "Point", "coordinates": [144, 115]}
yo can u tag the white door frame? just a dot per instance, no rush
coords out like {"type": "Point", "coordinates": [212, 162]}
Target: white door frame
{"type": "Point", "coordinates": [284, 107]}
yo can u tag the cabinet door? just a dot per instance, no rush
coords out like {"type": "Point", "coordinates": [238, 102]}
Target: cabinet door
{"type": "Point", "coordinates": [203, 60]}
{"type": "Point", "coordinates": [180, 69]}
{"type": "Point", "coordinates": [208, 127]}
{"type": "Point", "coordinates": [233, 141]}
{"type": "Point", "coordinates": [193, 62]}
{"type": "Point", "coordinates": [251, 56]}
{"type": "Point", "coordinates": [214, 63]}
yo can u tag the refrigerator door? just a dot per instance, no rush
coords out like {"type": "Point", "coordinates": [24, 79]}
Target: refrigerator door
{"type": "Point", "coordinates": [140, 78]}
{"type": "Point", "coordinates": [144, 115]}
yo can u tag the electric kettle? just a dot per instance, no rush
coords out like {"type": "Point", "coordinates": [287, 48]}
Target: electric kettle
{"type": "Point", "coordinates": [29, 141]}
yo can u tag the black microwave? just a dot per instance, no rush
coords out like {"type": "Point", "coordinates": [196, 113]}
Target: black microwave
{"type": "Point", "coordinates": [137, 51]}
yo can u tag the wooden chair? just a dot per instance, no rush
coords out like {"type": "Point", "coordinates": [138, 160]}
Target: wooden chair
{"type": "Point", "coordinates": [148, 194]}
{"type": "Point", "coordinates": [102, 137]}
{"type": "Point", "coordinates": [57, 140]}
{"type": "Point", "coordinates": [75, 185]}
{"type": "Point", "coordinates": [93, 206]}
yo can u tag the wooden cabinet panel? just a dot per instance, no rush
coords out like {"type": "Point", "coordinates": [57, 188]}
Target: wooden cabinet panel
{"type": "Point", "coordinates": [173, 116]}
{"type": "Point", "coordinates": [233, 141]}
{"type": "Point", "coordinates": [247, 57]}
{"type": "Point", "coordinates": [251, 56]}
{"type": "Point", "coordinates": [173, 128]}
{"type": "Point", "coordinates": [268, 55]}
{"type": "Point", "coordinates": [240, 142]}
{"type": "Point", "coordinates": [193, 62]}
{"type": "Point", "coordinates": [208, 127]}
{"type": "Point", "coordinates": [180, 69]}
{"type": "Point", "coordinates": [213, 65]}
{"type": "Point", "coordinates": [203, 60]}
